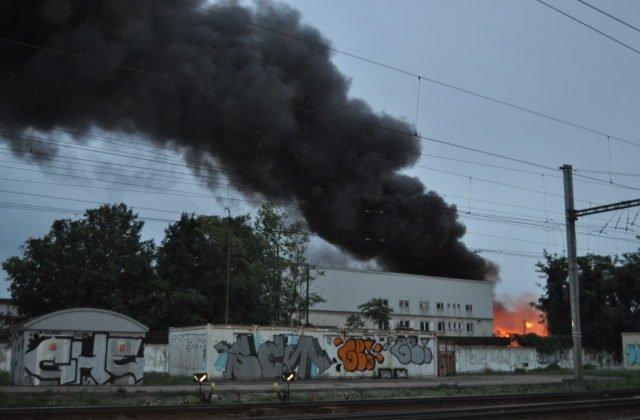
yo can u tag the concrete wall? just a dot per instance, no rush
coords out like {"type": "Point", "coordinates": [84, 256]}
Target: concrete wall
{"type": "Point", "coordinates": [5, 357]}
{"type": "Point", "coordinates": [156, 358]}
{"type": "Point", "coordinates": [264, 353]}
{"type": "Point", "coordinates": [470, 359]}
{"type": "Point", "coordinates": [631, 350]}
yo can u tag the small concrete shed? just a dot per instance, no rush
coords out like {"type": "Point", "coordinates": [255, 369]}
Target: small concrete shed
{"type": "Point", "coordinates": [78, 346]}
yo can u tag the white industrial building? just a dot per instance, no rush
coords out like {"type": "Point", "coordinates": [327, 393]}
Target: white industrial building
{"type": "Point", "coordinates": [444, 306]}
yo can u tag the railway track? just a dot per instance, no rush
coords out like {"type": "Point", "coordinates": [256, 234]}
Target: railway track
{"type": "Point", "coordinates": [589, 404]}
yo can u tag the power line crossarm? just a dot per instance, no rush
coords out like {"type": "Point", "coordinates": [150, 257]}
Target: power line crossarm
{"type": "Point", "coordinates": [604, 208]}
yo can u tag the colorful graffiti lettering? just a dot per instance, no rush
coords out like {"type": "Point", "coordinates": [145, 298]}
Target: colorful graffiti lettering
{"type": "Point", "coordinates": [408, 349]}
{"type": "Point", "coordinates": [359, 354]}
{"type": "Point", "coordinates": [96, 358]}
{"type": "Point", "coordinates": [241, 360]}
{"type": "Point", "coordinates": [633, 354]}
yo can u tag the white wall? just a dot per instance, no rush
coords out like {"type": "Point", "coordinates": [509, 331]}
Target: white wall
{"type": "Point", "coordinates": [156, 358]}
{"type": "Point", "coordinates": [265, 352]}
{"type": "Point", "coordinates": [631, 350]}
{"type": "Point", "coordinates": [470, 359]}
{"type": "Point", "coordinates": [345, 289]}
{"type": "Point", "coordinates": [188, 349]}
{"type": "Point", "coordinates": [5, 357]}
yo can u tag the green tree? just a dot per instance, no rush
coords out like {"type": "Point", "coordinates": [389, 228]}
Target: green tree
{"type": "Point", "coordinates": [296, 296]}
{"type": "Point", "coordinates": [609, 298]}
{"type": "Point", "coordinates": [378, 311]}
{"type": "Point", "coordinates": [192, 261]}
{"type": "Point", "coordinates": [270, 228]}
{"type": "Point", "coordinates": [286, 274]}
{"type": "Point", "coordinates": [554, 301]}
{"type": "Point", "coordinates": [354, 321]}
{"type": "Point", "coordinates": [98, 261]}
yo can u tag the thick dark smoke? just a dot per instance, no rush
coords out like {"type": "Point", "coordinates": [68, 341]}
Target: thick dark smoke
{"type": "Point", "coordinates": [273, 111]}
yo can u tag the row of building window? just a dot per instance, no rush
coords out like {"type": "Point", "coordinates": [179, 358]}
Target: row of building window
{"type": "Point", "coordinates": [424, 305]}
{"type": "Point", "coordinates": [442, 326]}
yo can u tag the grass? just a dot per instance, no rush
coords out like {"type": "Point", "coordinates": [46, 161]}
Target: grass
{"type": "Point", "coordinates": [153, 378]}
{"type": "Point", "coordinates": [627, 379]}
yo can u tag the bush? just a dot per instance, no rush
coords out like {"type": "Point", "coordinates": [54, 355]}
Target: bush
{"type": "Point", "coordinates": [544, 345]}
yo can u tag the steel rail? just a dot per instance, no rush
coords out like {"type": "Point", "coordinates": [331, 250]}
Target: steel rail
{"type": "Point", "coordinates": [353, 408]}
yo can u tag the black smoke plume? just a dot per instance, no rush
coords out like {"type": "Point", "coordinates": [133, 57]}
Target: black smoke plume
{"type": "Point", "coordinates": [272, 110]}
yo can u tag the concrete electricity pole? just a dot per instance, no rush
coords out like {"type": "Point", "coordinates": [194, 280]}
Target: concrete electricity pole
{"type": "Point", "coordinates": [226, 302]}
{"type": "Point", "coordinates": [574, 290]}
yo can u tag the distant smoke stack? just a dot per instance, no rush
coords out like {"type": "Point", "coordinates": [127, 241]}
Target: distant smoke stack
{"type": "Point", "coordinates": [272, 110]}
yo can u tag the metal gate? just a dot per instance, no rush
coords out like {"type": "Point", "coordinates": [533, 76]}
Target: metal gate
{"type": "Point", "coordinates": [446, 357]}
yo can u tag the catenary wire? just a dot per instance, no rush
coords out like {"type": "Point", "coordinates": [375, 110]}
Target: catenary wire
{"type": "Point", "coordinates": [610, 15]}
{"type": "Point", "coordinates": [408, 73]}
{"type": "Point", "coordinates": [592, 28]}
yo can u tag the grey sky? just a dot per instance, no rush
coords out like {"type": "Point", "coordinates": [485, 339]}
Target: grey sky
{"type": "Point", "coordinates": [517, 51]}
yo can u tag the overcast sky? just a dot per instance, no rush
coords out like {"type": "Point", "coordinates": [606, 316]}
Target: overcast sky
{"type": "Point", "coordinates": [520, 52]}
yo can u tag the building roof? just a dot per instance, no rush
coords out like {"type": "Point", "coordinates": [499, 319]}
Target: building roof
{"type": "Point", "coordinates": [83, 319]}
{"type": "Point", "coordinates": [397, 274]}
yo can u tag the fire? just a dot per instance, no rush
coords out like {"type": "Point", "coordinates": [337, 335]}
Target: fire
{"type": "Point", "coordinates": [515, 316]}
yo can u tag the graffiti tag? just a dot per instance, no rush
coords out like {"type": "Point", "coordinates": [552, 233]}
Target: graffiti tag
{"type": "Point", "coordinates": [408, 349]}
{"type": "Point", "coordinates": [359, 354]}
{"type": "Point", "coordinates": [244, 361]}
{"type": "Point", "coordinates": [97, 358]}
{"type": "Point", "coordinates": [633, 354]}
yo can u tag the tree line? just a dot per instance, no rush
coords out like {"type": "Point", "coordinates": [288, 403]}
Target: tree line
{"type": "Point", "coordinates": [609, 298]}
{"type": "Point", "coordinates": [101, 261]}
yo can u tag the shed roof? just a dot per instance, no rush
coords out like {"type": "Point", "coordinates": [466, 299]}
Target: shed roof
{"type": "Point", "coordinates": [83, 319]}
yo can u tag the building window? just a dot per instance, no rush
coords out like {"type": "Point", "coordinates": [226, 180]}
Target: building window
{"type": "Point", "coordinates": [425, 326]}
{"type": "Point", "coordinates": [404, 304]}
{"type": "Point", "coordinates": [404, 323]}
{"type": "Point", "coordinates": [440, 326]}
{"type": "Point", "coordinates": [468, 308]}
{"type": "Point", "coordinates": [424, 306]}
{"type": "Point", "coordinates": [469, 327]}
{"type": "Point", "coordinates": [439, 306]}
{"type": "Point", "coordinates": [385, 301]}
{"type": "Point", "coordinates": [459, 326]}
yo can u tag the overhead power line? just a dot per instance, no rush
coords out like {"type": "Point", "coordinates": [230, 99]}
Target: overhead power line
{"type": "Point", "coordinates": [396, 131]}
{"type": "Point", "coordinates": [610, 15]}
{"type": "Point", "coordinates": [408, 73]}
{"type": "Point", "coordinates": [592, 28]}
{"type": "Point", "coordinates": [149, 73]}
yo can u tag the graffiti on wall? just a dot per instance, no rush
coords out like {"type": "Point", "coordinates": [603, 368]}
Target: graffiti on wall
{"type": "Point", "coordinates": [246, 358]}
{"type": "Point", "coordinates": [363, 354]}
{"type": "Point", "coordinates": [358, 354]}
{"type": "Point", "coordinates": [189, 351]}
{"type": "Point", "coordinates": [410, 350]}
{"type": "Point", "coordinates": [632, 351]}
{"type": "Point", "coordinates": [92, 358]}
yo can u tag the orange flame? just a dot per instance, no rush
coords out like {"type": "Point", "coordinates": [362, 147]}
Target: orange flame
{"type": "Point", "coordinates": [516, 316]}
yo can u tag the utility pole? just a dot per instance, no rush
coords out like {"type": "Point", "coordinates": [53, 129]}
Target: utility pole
{"type": "Point", "coordinates": [226, 302]}
{"type": "Point", "coordinates": [307, 275]}
{"type": "Point", "coordinates": [574, 290]}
